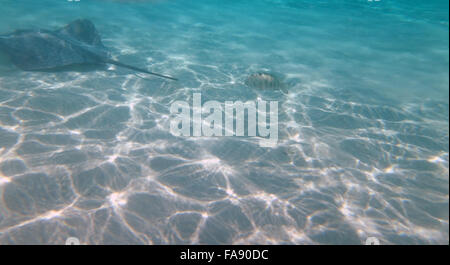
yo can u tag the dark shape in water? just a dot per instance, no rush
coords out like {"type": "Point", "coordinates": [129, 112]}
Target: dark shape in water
{"type": "Point", "coordinates": [77, 43]}
{"type": "Point", "coordinates": [266, 81]}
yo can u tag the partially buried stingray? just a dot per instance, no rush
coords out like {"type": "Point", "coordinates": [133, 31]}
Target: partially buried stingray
{"type": "Point", "coordinates": [266, 81]}
{"type": "Point", "coordinates": [78, 43]}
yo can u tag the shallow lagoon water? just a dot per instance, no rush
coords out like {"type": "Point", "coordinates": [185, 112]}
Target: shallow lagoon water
{"type": "Point", "coordinates": [363, 132]}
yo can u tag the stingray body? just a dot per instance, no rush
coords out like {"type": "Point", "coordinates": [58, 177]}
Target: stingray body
{"type": "Point", "coordinates": [266, 81]}
{"type": "Point", "coordinates": [77, 43]}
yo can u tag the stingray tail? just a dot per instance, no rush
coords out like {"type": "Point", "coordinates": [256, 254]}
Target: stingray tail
{"type": "Point", "coordinates": [140, 69]}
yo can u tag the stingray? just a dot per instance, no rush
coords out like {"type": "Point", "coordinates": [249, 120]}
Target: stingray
{"type": "Point", "coordinates": [266, 81]}
{"type": "Point", "coordinates": [78, 43]}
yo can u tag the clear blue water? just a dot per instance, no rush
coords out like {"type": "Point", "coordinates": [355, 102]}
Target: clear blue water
{"type": "Point", "coordinates": [363, 131]}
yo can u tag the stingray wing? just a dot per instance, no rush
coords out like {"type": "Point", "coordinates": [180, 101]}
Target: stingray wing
{"type": "Point", "coordinates": [34, 50]}
{"type": "Point", "coordinates": [83, 31]}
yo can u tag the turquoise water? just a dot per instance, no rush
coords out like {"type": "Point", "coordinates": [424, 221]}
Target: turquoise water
{"type": "Point", "coordinates": [363, 130]}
